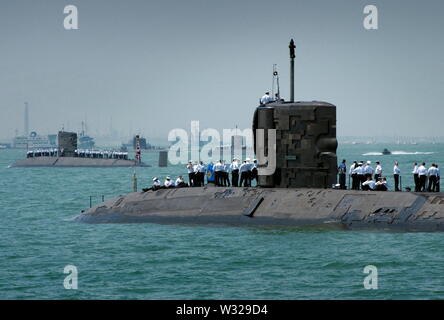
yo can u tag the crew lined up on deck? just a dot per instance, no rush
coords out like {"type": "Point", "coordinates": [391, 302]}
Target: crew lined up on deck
{"type": "Point", "coordinates": [219, 173]}
{"type": "Point", "coordinates": [242, 174]}
{"type": "Point", "coordinates": [364, 177]}
{"type": "Point", "coordinates": [54, 152]}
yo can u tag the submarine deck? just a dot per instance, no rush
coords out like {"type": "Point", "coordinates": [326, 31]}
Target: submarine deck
{"type": "Point", "coordinates": [343, 209]}
{"type": "Point", "coordinates": [74, 162]}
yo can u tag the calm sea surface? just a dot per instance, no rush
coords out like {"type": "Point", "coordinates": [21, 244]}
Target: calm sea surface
{"type": "Point", "coordinates": [149, 261]}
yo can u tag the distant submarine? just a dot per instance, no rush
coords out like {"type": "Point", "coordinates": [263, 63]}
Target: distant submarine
{"type": "Point", "coordinates": [67, 142]}
{"type": "Point", "coordinates": [297, 194]}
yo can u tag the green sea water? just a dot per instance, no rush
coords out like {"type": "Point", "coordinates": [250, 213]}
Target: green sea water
{"type": "Point", "coordinates": [150, 261]}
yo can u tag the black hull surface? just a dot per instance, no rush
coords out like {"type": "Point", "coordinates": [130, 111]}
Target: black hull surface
{"type": "Point", "coordinates": [75, 162]}
{"type": "Point", "coordinates": [328, 208]}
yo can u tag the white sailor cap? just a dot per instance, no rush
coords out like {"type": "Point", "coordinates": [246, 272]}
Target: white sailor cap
{"type": "Point", "coordinates": [168, 178]}
{"type": "Point", "coordinates": [155, 178]}
{"type": "Point", "coordinates": [369, 162]}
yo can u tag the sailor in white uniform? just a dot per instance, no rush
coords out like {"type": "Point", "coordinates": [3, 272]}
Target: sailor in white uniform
{"type": "Point", "coordinates": [234, 168]}
{"type": "Point", "coordinates": [190, 173]}
{"type": "Point", "coordinates": [180, 182]}
{"type": "Point", "coordinates": [244, 171]}
{"type": "Point", "coordinates": [432, 174]}
{"type": "Point", "coordinates": [378, 171]}
{"type": "Point", "coordinates": [266, 98]}
{"type": "Point", "coordinates": [218, 172]}
{"type": "Point", "coordinates": [368, 170]}
{"type": "Point", "coordinates": [352, 176]}
{"type": "Point", "coordinates": [415, 176]}
{"type": "Point", "coordinates": [422, 175]}
{"type": "Point", "coordinates": [225, 174]}
{"type": "Point", "coordinates": [168, 183]}
{"type": "Point", "coordinates": [156, 183]}
{"type": "Point", "coordinates": [201, 173]}
{"type": "Point", "coordinates": [253, 171]}
{"type": "Point", "coordinates": [369, 184]}
{"type": "Point", "coordinates": [396, 173]}
{"type": "Point", "coordinates": [358, 173]}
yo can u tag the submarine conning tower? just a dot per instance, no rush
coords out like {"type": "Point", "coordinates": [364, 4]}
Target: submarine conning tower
{"type": "Point", "coordinates": [305, 140]}
{"type": "Point", "coordinates": [67, 142]}
{"type": "Point", "coordinates": [305, 143]}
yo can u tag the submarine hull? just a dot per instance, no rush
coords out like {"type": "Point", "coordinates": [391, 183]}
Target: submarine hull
{"type": "Point", "coordinates": [75, 162]}
{"type": "Point", "coordinates": [339, 209]}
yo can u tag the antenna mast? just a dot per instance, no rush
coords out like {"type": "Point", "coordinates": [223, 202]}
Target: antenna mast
{"type": "Point", "coordinates": [276, 78]}
{"type": "Point", "coordinates": [292, 56]}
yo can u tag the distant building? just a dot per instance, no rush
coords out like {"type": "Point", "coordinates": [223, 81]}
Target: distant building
{"type": "Point", "coordinates": [34, 141]}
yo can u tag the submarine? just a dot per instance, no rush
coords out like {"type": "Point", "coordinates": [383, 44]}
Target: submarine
{"type": "Point", "coordinates": [66, 155]}
{"type": "Point", "coordinates": [297, 193]}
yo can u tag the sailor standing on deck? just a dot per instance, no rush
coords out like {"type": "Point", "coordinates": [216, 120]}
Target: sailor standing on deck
{"type": "Point", "coordinates": [378, 171]}
{"type": "Point", "coordinates": [415, 176]}
{"type": "Point", "coordinates": [422, 175]}
{"type": "Point", "coordinates": [253, 171]}
{"type": "Point", "coordinates": [190, 173]}
{"type": "Point", "coordinates": [218, 173]}
{"type": "Point", "coordinates": [342, 170]}
{"type": "Point", "coordinates": [358, 171]}
{"type": "Point", "coordinates": [234, 168]}
{"type": "Point", "coordinates": [353, 176]}
{"type": "Point", "coordinates": [396, 173]}
{"type": "Point", "coordinates": [196, 181]}
{"type": "Point", "coordinates": [210, 173]}
{"type": "Point", "coordinates": [202, 171]}
{"type": "Point", "coordinates": [223, 174]}
{"type": "Point", "coordinates": [249, 166]}
{"type": "Point", "coordinates": [197, 168]}
{"type": "Point", "coordinates": [244, 169]}
{"type": "Point", "coordinates": [432, 174]}
{"type": "Point", "coordinates": [368, 171]}
{"type": "Point", "coordinates": [227, 169]}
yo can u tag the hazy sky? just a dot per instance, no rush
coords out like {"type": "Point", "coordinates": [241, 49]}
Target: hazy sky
{"type": "Point", "coordinates": [150, 66]}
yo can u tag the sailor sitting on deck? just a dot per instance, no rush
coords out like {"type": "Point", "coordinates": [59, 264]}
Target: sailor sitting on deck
{"type": "Point", "coordinates": [156, 185]}
{"type": "Point", "coordinates": [168, 183]}
{"type": "Point", "coordinates": [180, 183]}
{"type": "Point", "coordinates": [368, 185]}
{"type": "Point", "coordinates": [381, 185]}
